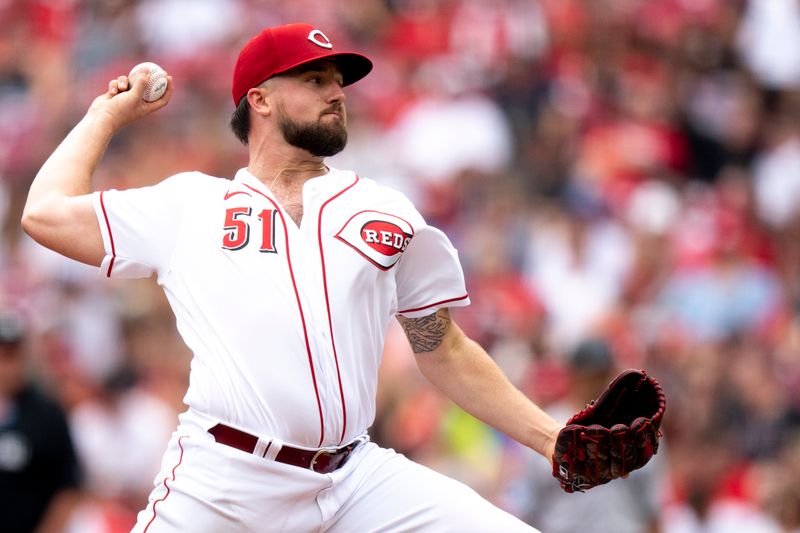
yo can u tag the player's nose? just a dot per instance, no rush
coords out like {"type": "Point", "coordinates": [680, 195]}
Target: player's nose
{"type": "Point", "coordinates": [337, 94]}
{"type": "Point", "coordinates": [334, 91]}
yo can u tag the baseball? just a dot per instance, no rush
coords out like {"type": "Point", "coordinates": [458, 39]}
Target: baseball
{"type": "Point", "coordinates": [158, 81]}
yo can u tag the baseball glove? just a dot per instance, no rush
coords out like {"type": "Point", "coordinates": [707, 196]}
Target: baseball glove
{"type": "Point", "coordinates": [613, 435]}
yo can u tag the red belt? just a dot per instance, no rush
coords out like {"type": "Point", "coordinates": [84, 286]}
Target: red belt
{"type": "Point", "coordinates": [323, 461]}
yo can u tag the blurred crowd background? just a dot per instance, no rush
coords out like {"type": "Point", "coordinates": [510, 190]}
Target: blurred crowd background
{"type": "Point", "coordinates": [621, 179]}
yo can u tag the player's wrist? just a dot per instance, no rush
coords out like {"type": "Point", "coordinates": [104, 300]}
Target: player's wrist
{"type": "Point", "coordinates": [102, 121]}
{"type": "Point", "coordinates": [544, 436]}
{"type": "Point", "coordinates": [549, 444]}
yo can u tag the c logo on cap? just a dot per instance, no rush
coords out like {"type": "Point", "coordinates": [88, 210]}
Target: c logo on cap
{"type": "Point", "coordinates": [319, 38]}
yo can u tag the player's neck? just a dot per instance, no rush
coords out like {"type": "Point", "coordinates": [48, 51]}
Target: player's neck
{"type": "Point", "coordinates": [287, 168]}
{"type": "Point", "coordinates": [288, 175]}
{"type": "Point", "coordinates": [285, 179]}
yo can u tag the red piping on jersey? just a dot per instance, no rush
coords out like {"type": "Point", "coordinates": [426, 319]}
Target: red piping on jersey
{"type": "Point", "coordinates": [180, 460]}
{"type": "Point", "coordinates": [110, 235]}
{"type": "Point", "coordinates": [231, 194]}
{"type": "Point", "coordinates": [434, 304]}
{"type": "Point", "coordinates": [369, 259]}
{"type": "Point", "coordinates": [300, 309]}
{"type": "Point", "coordinates": [328, 303]}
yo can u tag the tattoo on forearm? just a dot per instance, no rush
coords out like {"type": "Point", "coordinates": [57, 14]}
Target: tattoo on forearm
{"type": "Point", "coordinates": [425, 334]}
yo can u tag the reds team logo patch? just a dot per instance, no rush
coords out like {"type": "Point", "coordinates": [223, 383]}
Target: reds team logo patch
{"type": "Point", "coordinates": [319, 38]}
{"type": "Point", "coordinates": [379, 237]}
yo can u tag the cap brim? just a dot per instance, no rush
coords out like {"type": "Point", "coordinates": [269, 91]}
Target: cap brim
{"type": "Point", "coordinates": [353, 66]}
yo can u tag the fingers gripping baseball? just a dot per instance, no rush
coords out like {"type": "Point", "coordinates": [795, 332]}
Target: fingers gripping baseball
{"type": "Point", "coordinates": [125, 100]}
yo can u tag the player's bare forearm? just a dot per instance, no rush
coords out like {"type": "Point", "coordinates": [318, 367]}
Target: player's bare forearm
{"type": "Point", "coordinates": [58, 212]}
{"type": "Point", "coordinates": [462, 370]}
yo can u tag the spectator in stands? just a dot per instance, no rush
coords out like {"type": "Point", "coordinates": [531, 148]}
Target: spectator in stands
{"type": "Point", "coordinates": [39, 474]}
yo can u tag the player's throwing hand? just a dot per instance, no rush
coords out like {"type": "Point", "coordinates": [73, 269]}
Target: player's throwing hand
{"type": "Point", "coordinates": [124, 101]}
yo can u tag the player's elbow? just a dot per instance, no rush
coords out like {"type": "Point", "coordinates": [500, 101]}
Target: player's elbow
{"type": "Point", "coordinates": [41, 219]}
{"type": "Point", "coordinates": [32, 221]}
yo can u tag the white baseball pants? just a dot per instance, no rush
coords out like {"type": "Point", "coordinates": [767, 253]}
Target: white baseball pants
{"type": "Point", "coordinates": [204, 486]}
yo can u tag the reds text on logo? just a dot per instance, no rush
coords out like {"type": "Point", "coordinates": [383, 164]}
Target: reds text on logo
{"type": "Point", "coordinates": [379, 237]}
{"type": "Point", "coordinates": [319, 38]}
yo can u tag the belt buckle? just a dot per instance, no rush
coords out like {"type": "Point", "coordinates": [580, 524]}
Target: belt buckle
{"type": "Point", "coordinates": [322, 451]}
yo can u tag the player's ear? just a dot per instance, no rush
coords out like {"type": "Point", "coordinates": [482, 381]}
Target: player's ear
{"type": "Point", "coordinates": [258, 98]}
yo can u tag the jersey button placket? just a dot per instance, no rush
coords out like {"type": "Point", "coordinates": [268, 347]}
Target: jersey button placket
{"type": "Point", "coordinates": [325, 352]}
{"type": "Point", "coordinates": [312, 295]}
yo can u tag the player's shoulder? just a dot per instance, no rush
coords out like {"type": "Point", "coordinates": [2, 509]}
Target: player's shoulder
{"type": "Point", "coordinates": [372, 186]}
{"type": "Point", "coordinates": [195, 178]}
{"type": "Point", "coordinates": [193, 185]}
{"type": "Point", "coordinates": [382, 196]}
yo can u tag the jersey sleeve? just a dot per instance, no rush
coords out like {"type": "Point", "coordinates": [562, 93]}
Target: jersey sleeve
{"type": "Point", "coordinates": [429, 275]}
{"type": "Point", "coordinates": [140, 227]}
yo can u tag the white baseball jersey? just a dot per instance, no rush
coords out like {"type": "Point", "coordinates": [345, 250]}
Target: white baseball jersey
{"type": "Point", "coordinates": [286, 323]}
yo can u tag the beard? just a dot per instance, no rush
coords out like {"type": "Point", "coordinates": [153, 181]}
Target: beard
{"type": "Point", "coordinates": [320, 140]}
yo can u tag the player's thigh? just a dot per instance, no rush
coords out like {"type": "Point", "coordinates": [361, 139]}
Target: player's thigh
{"type": "Point", "coordinates": [400, 495]}
{"type": "Point", "coordinates": [205, 487]}
{"type": "Point", "coordinates": [190, 491]}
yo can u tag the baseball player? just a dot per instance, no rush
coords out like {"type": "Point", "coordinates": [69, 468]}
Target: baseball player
{"type": "Point", "coordinates": [283, 281]}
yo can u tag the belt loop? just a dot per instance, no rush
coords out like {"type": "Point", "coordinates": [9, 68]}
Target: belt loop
{"type": "Point", "coordinates": [273, 447]}
{"type": "Point", "coordinates": [262, 447]}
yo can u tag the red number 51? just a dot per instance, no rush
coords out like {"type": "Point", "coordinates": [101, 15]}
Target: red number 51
{"type": "Point", "coordinates": [237, 229]}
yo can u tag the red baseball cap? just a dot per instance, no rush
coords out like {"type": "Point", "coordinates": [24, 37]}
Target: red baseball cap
{"type": "Point", "coordinates": [282, 48]}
